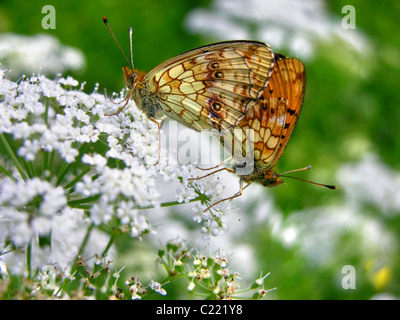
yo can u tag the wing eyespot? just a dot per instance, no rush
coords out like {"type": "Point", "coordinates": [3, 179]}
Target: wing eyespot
{"type": "Point", "coordinates": [216, 106]}
{"type": "Point", "coordinates": [214, 65]}
{"type": "Point", "coordinates": [218, 74]}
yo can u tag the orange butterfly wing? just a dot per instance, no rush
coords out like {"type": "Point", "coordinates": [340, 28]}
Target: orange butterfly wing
{"type": "Point", "coordinates": [268, 125]}
{"type": "Point", "coordinates": [286, 89]}
{"type": "Point", "coordinates": [210, 87]}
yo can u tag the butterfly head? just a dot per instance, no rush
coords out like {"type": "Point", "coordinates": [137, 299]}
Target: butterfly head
{"type": "Point", "coordinates": [270, 179]}
{"type": "Point", "coordinates": [130, 76]}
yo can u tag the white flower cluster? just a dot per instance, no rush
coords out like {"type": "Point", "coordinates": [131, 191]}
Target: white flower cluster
{"type": "Point", "coordinates": [67, 165]}
{"type": "Point", "coordinates": [28, 54]}
{"type": "Point", "coordinates": [17, 196]}
{"type": "Point", "coordinates": [291, 24]}
{"type": "Point", "coordinates": [214, 219]}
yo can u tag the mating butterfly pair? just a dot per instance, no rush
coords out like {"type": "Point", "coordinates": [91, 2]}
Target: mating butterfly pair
{"type": "Point", "coordinates": [227, 86]}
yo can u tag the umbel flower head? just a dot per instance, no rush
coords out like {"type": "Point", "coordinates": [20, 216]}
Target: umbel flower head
{"type": "Point", "coordinates": [67, 167]}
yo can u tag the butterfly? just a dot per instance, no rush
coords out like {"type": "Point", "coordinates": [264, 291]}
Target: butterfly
{"type": "Point", "coordinates": [227, 86]}
{"type": "Point", "coordinates": [210, 87]}
{"type": "Point", "coordinates": [267, 127]}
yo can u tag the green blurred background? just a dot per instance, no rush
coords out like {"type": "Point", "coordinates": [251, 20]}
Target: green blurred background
{"type": "Point", "coordinates": [351, 111]}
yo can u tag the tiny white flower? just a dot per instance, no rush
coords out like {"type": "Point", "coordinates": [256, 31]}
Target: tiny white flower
{"type": "Point", "coordinates": [67, 152]}
{"type": "Point", "coordinates": [156, 286]}
{"type": "Point", "coordinates": [185, 194]}
{"type": "Point", "coordinates": [96, 159]}
{"type": "Point", "coordinates": [87, 187]}
{"type": "Point", "coordinates": [126, 212]}
{"type": "Point", "coordinates": [101, 213]}
{"type": "Point", "coordinates": [21, 130]}
{"type": "Point", "coordinates": [69, 81]}
{"type": "Point", "coordinates": [260, 280]}
{"type": "Point", "coordinates": [134, 293]}
{"type": "Point", "coordinates": [198, 213]}
{"type": "Point", "coordinates": [191, 286]}
{"type": "Point", "coordinates": [22, 233]}
{"type": "Point", "coordinates": [29, 149]}
{"type": "Point", "coordinates": [53, 201]}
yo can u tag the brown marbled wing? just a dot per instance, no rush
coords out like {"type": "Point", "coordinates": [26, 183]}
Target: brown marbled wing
{"type": "Point", "coordinates": [210, 87]}
{"type": "Point", "coordinates": [273, 119]}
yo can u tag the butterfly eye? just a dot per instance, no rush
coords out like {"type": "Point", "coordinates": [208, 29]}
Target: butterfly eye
{"type": "Point", "coordinates": [129, 76]}
{"type": "Point", "coordinates": [132, 77]}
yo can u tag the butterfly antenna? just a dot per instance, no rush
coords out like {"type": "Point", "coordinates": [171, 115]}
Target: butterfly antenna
{"type": "Point", "coordinates": [295, 170]}
{"type": "Point", "coordinates": [302, 169]}
{"type": "Point", "coordinates": [131, 46]}
{"type": "Point", "coordinates": [316, 183]}
{"type": "Point", "coordinates": [115, 39]}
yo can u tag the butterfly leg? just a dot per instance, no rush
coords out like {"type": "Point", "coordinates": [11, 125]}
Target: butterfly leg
{"type": "Point", "coordinates": [126, 100]}
{"type": "Point", "coordinates": [238, 194]}
{"type": "Point", "coordinates": [218, 165]}
{"type": "Point", "coordinates": [120, 109]}
{"type": "Point", "coordinates": [227, 169]}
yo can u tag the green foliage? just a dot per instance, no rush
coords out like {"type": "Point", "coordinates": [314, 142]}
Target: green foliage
{"type": "Point", "coordinates": [158, 33]}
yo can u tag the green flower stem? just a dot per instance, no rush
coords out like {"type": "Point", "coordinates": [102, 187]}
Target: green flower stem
{"type": "Point", "coordinates": [46, 113]}
{"type": "Point", "coordinates": [169, 204]}
{"type": "Point", "coordinates": [29, 260]}
{"type": "Point", "coordinates": [13, 157]}
{"type": "Point", "coordinates": [67, 166]}
{"type": "Point", "coordinates": [85, 240]}
{"type": "Point", "coordinates": [45, 162]}
{"type": "Point", "coordinates": [77, 178]}
{"type": "Point", "coordinates": [82, 247]}
{"type": "Point", "coordinates": [32, 169]}
{"type": "Point", "coordinates": [7, 173]}
{"type": "Point", "coordinates": [76, 203]}
{"type": "Point", "coordinates": [110, 242]}
{"type": "Point", "coordinates": [26, 168]}
{"type": "Point", "coordinates": [63, 171]}
{"type": "Point", "coordinates": [51, 160]}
